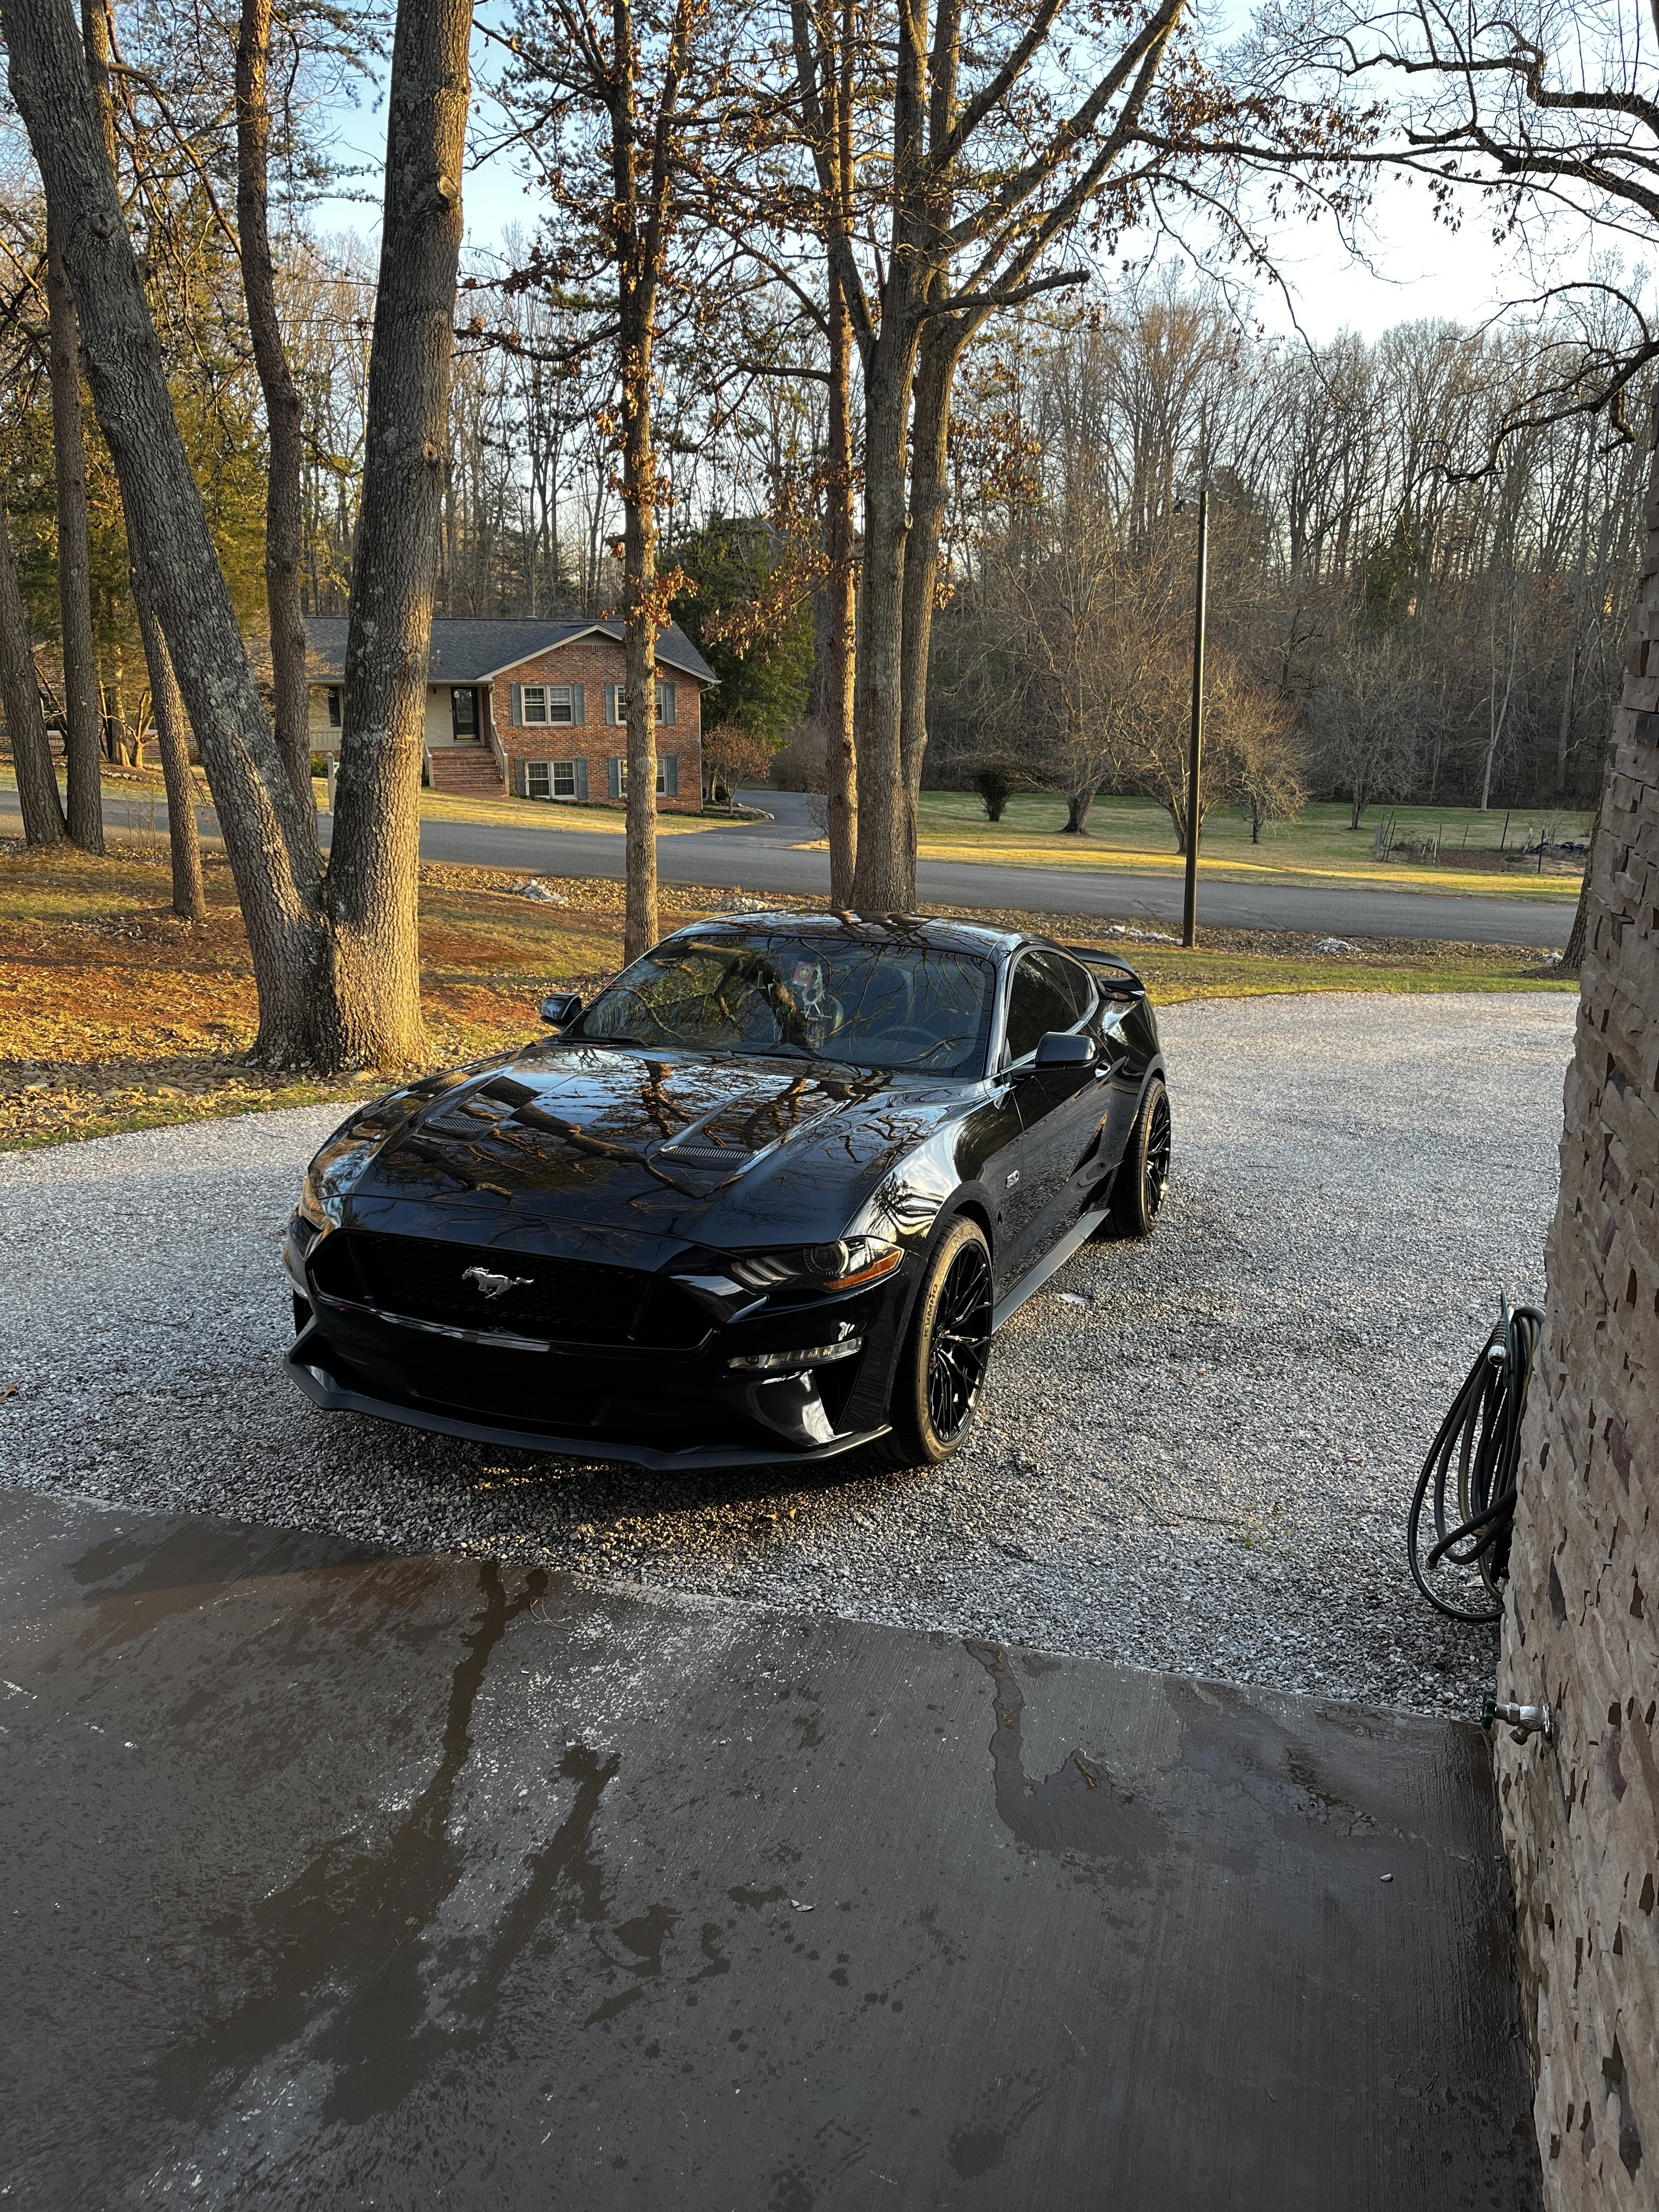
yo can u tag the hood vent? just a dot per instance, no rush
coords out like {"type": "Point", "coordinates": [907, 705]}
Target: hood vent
{"type": "Point", "coordinates": [476, 1114]}
{"type": "Point", "coordinates": [695, 1155]}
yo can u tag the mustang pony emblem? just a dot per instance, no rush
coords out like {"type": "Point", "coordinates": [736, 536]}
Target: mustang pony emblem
{"type": "Point", "coordinates": [495, 1286]}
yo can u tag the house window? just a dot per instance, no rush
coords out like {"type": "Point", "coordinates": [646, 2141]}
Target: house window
{"type": "Point", "coordinates": [619, 779]}
{"type": "Point", "coordinates": [561, 707]}
{"type": "Point", "coordinates": [534, 702]}
{"type": "Point", "coordinates": [552, 780]}
{"type": "Point", "coordinates": [334, 706]}
{"type": "Point", "coordinates": [615, 706]}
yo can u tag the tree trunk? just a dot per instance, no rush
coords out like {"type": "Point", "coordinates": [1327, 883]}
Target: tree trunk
{"type": "Point", "coordinates": [173, 739]}
{"type": "Point", "coordinates": [936, 355]}
{"type": "Point", "coordinates": [283, 422]}
{"type": "Point", "coordinates": [374, 869]}
{"type": "Point", "coordinates": [270, 844]}
{"type": "Point", "coordinates": [20, 689]}
{"type": "Point", "coordinates": [638, 233]}
{"type": "Point", "coordinates": [840, 740]}
{"type": "Point", "coordinates": [840, 747]}
{"type": "Point", "coordinates": [638, 630]}
{"type": "Point", "coordinates": [1573, 958]}
{"type": "Point", "coordinates": [82, 719]}
{"type": "Point", "coordinates": [1077, 803]}
{"type": "Point", "coordinates": [885, 879]}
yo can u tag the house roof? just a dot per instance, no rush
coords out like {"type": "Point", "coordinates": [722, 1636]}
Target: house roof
{"type": "Point", "coordinates": [470, 650]}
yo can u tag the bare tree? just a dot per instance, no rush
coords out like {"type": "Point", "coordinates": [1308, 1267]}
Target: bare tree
{"type": "Point", "coordinates": [372, 900]}
{"type": "Point", "coordinates": [632, 73]}
{"type": "Point", "coordinates": [335, 961]}
{"type": "Point", "coordinates": [172, 742]}
{"type": "Point", "coordinates": [1003, 132]}
{"type": "Point", "coordinates": [1365, 721]}
{"type": "Point", "coordinates": [20, 689]}
{"type": "Point", "coordinates": [82, 713]}
{"type": "Point", "coordinates": [284, 427]}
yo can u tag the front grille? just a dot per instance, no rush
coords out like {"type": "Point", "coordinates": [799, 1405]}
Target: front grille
{"type": "Point", "coordinates": [557, 1301]}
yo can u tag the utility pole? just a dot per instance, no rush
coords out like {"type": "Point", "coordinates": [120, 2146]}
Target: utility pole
{"type": "Point", "coordinates": [1196, 752]}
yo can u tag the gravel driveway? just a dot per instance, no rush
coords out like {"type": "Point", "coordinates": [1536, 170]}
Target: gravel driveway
{"type": "Point", "coordinates": [1204, 1466]}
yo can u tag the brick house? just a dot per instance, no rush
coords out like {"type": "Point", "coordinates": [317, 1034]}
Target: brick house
{"type": "Point", "coordinates": [536, 707]}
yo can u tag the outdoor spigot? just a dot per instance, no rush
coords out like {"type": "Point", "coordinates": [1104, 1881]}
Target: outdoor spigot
{"type": "Point", "coordinates": [1523, 1719]}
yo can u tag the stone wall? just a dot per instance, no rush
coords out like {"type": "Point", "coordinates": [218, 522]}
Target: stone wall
{"type": "Point", "coordinates": [1581, 1817]}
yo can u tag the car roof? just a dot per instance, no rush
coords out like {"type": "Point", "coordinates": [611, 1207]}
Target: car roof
{"type": "Point", "coordinates": [935, 932]}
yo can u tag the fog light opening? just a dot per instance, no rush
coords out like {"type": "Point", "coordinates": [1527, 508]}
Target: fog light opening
{"type": "Point", "coordinates": [791, 1363]}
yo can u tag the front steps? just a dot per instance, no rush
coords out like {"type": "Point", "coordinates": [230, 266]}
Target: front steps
{"type": "Point", "coordinates": [465, 771]}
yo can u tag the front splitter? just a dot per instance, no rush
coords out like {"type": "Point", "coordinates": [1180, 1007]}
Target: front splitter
{"type": "Point", "coordinates": [334, 1398]}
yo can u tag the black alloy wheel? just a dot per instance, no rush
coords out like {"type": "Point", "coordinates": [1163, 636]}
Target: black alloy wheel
{"type": "Point", "coordinates": [936, 1386]}
{"type": "Point", "coordinates": [1140, 1184]}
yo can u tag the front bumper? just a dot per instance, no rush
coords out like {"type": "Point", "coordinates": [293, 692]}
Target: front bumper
{"type": "Point", "coordinates": [334, 1398]}
{"type": "Point", "coordinates": [656, 1407]}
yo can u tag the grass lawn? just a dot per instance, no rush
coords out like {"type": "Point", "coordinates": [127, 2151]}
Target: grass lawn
{"type": "Point", "coordinates": [114, 1015]}
{"type": "Point", "coordinates": [608, 816]}
{"type": "Point", "coordinates": [134, 799]}
{"type": "Point", "coordinates": [1134, 835]}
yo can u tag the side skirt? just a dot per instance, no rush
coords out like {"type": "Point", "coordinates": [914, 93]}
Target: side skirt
{"type": "Point", "coordinates": [1029, 1285]}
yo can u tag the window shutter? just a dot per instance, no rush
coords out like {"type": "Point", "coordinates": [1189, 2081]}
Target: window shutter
{"type": "Point", "coordinates": [668, 704]}
{"type": "Point", "coordinates": [581, 775]}
{"type": "Point", "coordinates": [578, 708]}
{"type": "Point", "coordinates": [611, 705]}
{"type": "Point", "coordinates": [671, 766]}
{"type": "Point", "coordinates": [518, 706]}
{"type": "Point", "coordinates": [520, 769]}
{"type": "Point", "coordinates": [616, 776]}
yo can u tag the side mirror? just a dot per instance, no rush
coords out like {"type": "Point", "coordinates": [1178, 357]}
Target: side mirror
{"type": "Point", "coordinates": [1066, 1048]}
{"type": "Point", "coordinates": [559, 1009]}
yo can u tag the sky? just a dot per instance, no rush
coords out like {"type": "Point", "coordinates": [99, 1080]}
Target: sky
{"type": "Point", "coordinates": [1412, 268]}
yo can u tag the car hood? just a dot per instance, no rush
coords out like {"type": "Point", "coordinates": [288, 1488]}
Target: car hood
{"type": "Point", "coordinates": [727, 1150]}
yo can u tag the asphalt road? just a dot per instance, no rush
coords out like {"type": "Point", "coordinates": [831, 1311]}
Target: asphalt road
{"type": "Point", "coordinates": [763, 857]}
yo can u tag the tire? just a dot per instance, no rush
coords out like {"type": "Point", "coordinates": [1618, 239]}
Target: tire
{"type": "Point", "coordinates": [942, 1369]}
{"type": "Point", "coordinates": [1142, 1181]}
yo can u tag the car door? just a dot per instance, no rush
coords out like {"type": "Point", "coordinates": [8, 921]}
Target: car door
{"type": "Point", "coordinates": [1060, 1109]}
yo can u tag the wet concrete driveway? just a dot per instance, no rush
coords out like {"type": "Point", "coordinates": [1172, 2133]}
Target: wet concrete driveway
{"type": "Point", "coordinates": [336, 1879]}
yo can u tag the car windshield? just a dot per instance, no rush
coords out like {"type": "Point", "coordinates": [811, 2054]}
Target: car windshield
{"type": "Point", "coordinates": [869, 1004]}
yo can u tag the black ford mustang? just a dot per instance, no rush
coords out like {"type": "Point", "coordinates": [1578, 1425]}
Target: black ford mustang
{"type": "Point", "coordinates": [769, 1197]}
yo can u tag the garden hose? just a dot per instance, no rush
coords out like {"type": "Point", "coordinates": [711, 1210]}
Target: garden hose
{"type": "Point", "coordinates": [1473, 1468]}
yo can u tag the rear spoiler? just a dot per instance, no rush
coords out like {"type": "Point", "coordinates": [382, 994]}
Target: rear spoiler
{"type": "Point", "coordinates": [1112, 973]}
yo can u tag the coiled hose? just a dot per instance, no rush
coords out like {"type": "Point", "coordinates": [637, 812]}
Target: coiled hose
{"type": "Point", "coordinates": [1473, 1467]}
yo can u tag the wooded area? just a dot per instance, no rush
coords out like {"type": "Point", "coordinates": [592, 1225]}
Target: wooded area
{"type": "Point", "coordinates": [837, 380]}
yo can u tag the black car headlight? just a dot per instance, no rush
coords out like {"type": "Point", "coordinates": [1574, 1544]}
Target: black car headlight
{"type": "Point", "coordinates": [333, 1173]}
{"type": "Point", "coordinates": [845, 1265]}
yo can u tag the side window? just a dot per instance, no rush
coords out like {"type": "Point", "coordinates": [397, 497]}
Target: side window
{"type": "Point", "coordinates": [1039, 1000]}
{"type": "Point", "coordinates": [535, 703]}
{"type": "Point", "coordinates": [1079, 981]}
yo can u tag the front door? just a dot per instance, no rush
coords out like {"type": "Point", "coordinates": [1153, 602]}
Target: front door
{"type": "Point", "coordinates": [464, 714]}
